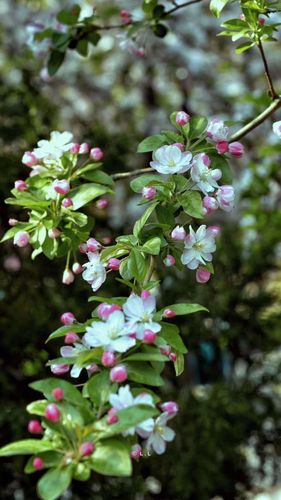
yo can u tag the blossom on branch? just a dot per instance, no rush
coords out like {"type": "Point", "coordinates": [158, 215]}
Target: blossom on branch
{"type": "Point", "coordinates": [198, 247]}
{"type": "Point", "coordinates": [171, 160]}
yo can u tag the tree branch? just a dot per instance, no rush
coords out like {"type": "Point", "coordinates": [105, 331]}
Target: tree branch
{"type": "Point", "coordinates": [272, 92]}
{"type": "Point", "coordinates": [124, 175]}
{"type": "Point", "coordinates": [181, 6]}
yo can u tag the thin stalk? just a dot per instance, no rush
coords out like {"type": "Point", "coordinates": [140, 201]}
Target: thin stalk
{"type": "Point", "coordinates": [271, 89]}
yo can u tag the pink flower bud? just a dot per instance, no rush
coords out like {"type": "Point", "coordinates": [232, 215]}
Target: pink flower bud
{"type": "Point", "coordinates": [170, 407]}
{"type": "Point", "coordinates": [125, 16]}
{"type": "Point", "coordinates": [54, 233]}
{"type": "Point", "coordinates": [112, 419]}
{"type": "Point", "coordinates": [114, 264]}
{"type": "Point", "coordinates": [38, 463]}
{"type": "Point", "coordinates": [165, 350]}
{"type": "Point", "coordinates": [35, 427]}
{"type": "Point", "coordinates": [236, 149]}
{"type": "Point", "coordinates": [261, 21]}
{"type": "Point", "coordinates": [216, 174]}
{"type": "Point", "coordinates": [71, 337]}
{"type": "Point", "coordinates": [102, 203]}
{"type": "Point", "coordinates": [12, 222]}
{"type": "Point", "coordinates": [206, 160]}
{"type": "Point", "coordinates": [29, 159]}
{"type": "Point", "coordinates": [202, 275]}
{"type": "Point", "coordinates": [149, 337]}
{"type": "Point", "coordinates": [178, 233]}
{"type": "Point", "coordinates": [140, 52]}
{"type": "Point", "coordinates": [173, 357]}
{"type": "Point", "coordinates": [210, 204]}
{"type": "Point", "coordinates": [58, 393]}
{"type": "Point", "coordinates": [182, 118]}
{"type": "Point", "coordinates": [108, 359]}
{"type": "Point", "coordinates": [21, 239]}
{"type": "Point", "coordinates": [67, 318]}
{"type": "Point", "coordinates": [145, 294]}
{"type": "Point", "coordinates": [213, 231]}
{"type": "Point", "coordinates": [67, 277]}
{"type": "Point", "coordinates": [61, 186]}
{"type": "Point", "coordinates": [67, 202]}
{"type": "Point", "coordinates": [75, 148]}
{"type": "Point", "coordinates": [148, 193]}
{"type": "Point", "coordinates": [52, 412]}
{"type": "Point", "coordinates": [20, 185]}
{"type": "Point", "coordinates": [169, 261]}
{"type": "Point", "coordinates": [83, 248]}
{"type": "Point", "coordinates": [106, 240]}
{"type": "Point", "coordinates": [96, 154]}
{"type": "Point", "coordinates": [104, 310]}
{"type": "Point", "coordinates": [225, 197]}
{"type": "Point", "coordinates": [179, 145]}
{"type": "Point", "coordinates": [222, 147]}
{"type": "Point", "coordinates": [93, 368]}
{"type": "Point", "coordinates": [118, 374]}
{"type": "Point", "coordinates": [59, 369]}
{"type": "Point", "coordinates": [136, 452]}
{"type": "Point", "coordinates": [242, 17]}
{"type": "Point", "coordinates": [93, 245]}
{"type": "Point", "coordinates": [86, 449]}
{"type": "Point", "coordinates": [169, 313]}
{"type": "Point", "coordinates": [77, 268]}
{"type": "Point", "coordinates": [84, 148]}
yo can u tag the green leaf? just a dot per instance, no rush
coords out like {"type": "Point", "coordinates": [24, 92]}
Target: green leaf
{"type": "Point", "coordinates": [100, 177]}
{"type": "Point", "coordinates": [170, 333]}
{"type": "Point", "coordinates": [141, 222]}
{"type": "Point", "coordinates": [139, 183]}
{"type": "Point", "coordinates": [147, 356]}
{"type": "Point", "coordinates": [82, 47]}
{"type": "Point", "coordinates": [50, 459]}
{"type": "Point", "coordinates": [55, 61]}
{"type": "Point", "coordinates": [69, 17]}
{"type": "Point", "coordinates": [54, 483]}
{"type": "Point", "coordinates": [71, 393]}
{"type": "Point", "coordinates": [160, 30]}
{"type": "Point", "coordinates": [179, 364]}
{"type": "Point", "coordinates": [143, 373]}
{"type": "Point", "coordinates": [148, 6]}
{"type": "Point", "coordinates": [112, 458]}
{"type": "Point", "coordinates": [128, 417]}
{"type": "Point", "coordinates": [165, 215]}
{"type": "Point", "coordinates": [86, 193]}
{"type": "Point", "coordinates": [216, 6]}
{"type": "Point", "coordinates": [25, 226]}
{"type": "Point", "coordinates": [151, 143]}
{"type": "Point", "coordinates": [26, 447]}
{"type": "Point", "coordinates": [198, 125]}
{"type": "Point", "coordinates": [152, 246]}
{"type": "Point", "coordinates": [99, 388]}
{"type": "Point", "coordinates": [243, 47]}
{"type": "Point", "coordinates": [37, 407]}
{"type": "Point", "coordinates": [124, 269]}
{"type": "Point", "coordinates": [137, 265]}
{"type": "Point", "coordinates": [63, 330]}
{"type": "Point", "coordinates": [191, 202]}
{"type": "Point", "coordinates": [181, 309]}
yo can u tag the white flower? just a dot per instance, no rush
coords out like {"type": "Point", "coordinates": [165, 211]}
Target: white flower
{"type": "Point", "coordinates": [217, 130]}
{"type": "Point", "coordinates": [198, 247]}
{"type": "Point", "coordinates": [59, 143]}
{"type": "Point", "coordinates": [204, 177]}
{"type": "Point", "coordinates": [95, 272]}
{"type": "Point", "coordinates": [71, 352]}
{"type": "Point", "coordinates": [139, 315]}
{"type": "Point", "coordinates": [111, 334]}
{"type": "Point", "coordinates": [277, 128]}
{"type": "Point", "coordinates": [160, 435]}
{"type": "Point", "coordinates": [123, 399]}
{"type": "Point", "coordinates": [171, 160]}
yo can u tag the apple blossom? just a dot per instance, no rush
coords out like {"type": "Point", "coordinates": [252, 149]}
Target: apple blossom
{"type": "Point", "coordinates": [198, 247]}
{"type": "Point", "coordinates": [171, 160]}
{"type": "Point", "coordinates": [52, 412]}
{"type": "Point", "coordinates": [29, 159]}
{"type": "Point", "coordinates": [112, 334]}
{"type": "Point", "coordinates": [53, 149]}
{"type": "Point", "coordinates": [104, 310]}
{"type": "Point", "coordinates": [179, 145]}
{"type": "Point", "coordinates": [277, 128]}
{"type": "Point", "coordinates": [83, 248]}
{"type": "Point", "coordinates": [86, 449]}
{"type": "Point", "coordinates": [182, 118]}
{"type": "Point", "coordinates": [222, 147]}
{"type": "Point", "coordinates": [75, 148]}
{"type": "Point", "coordinates": [54, 233]}
{"type": "Point", "coordinates": [12, 222]}
{"type": "Point", "coordinates": [173, 357]}
{"type": "Point", "coordinates": [165, 350]}
{"type": "Point", "coordinates": [92, 245]}
{"type": "Point", "coordinates": [20, 185]}
{"type": "Point", "coordinates": [236, 149]}
{"type": "Point", "coordinates": [217, 130]}
{"type": "Point", "coordinates": [94, 271]}
{"type": "Point", "coordinates": [126, 16]}
{"type": "Point", "coordinates": [225, 198]}
{"type": "Point", "coordinates": [35, 427]}
{"type": "Point", "coordinates": [21, 239]}
{"type": "Point", "coordinates": [67, 202]}
{"type": "Point", "coordinates": [58, 393]}
{"type": "Point", "coordinates": [170, 407]}
{"type": "Point", "coordinates": [213, 231]}
{"type": "Point", "coordinates": [84, 148]}
{"type": "Point", "coordinates": [139, 315]}
{"type": "Point", "coordinates": [67, 318]}
{"type": "Point", "coordinates": [178, 233]}
{"type": "Point", "coordinates": [169, 313]}
{"type": "Point", "coordinates": [114, 264]}
{"type": "Point", "coordinates": [61, 186]}
{"type": "Point", "coordinates": [205, 178]}
{"type": "Point", "coordinates": [145, 294]}
{"type": "Point", "coordinates": [93, 368]}
{"type": "Point", "coordinates": [96, 154]}
{"type": "Point", "coordinates": [160, 434]}
{"type": "Point", "coordinates": [149, 337]}
{"type": "Point", "coordinates": [148, 193]}
{"type": "Point", "coordinates": [38, 463]}
{"type": "Point", "coordinates": [108, 359]}
{"type": "Point", "coordinates": [71, 337]}
{"type": "Point", "coordinates": [136, 452]}
{"type": "Point", "coordinates": [77, 268]}
{"type": "Point", "coordinates": [67, 277]}
{"type": "Point", "coordinates": [102, 203]}
{"type": "Point", "coordinates": [118, 374]}
{"type": "Point", "coordinates": [202, 275]}
{"type": "Point", "coordinates": [59, 369]}
{"type": "Point", "coordinates": [74, 351]}
{"type": "Point", "coordinates": [112, 419]}
{"type": "Point", "coordinates": [210, 204]}
{"type": "Point", "coordinates": [169, 261]}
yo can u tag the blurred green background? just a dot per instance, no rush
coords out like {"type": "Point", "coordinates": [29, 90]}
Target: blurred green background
{"type": "Point", "coordinates": [228, 430]}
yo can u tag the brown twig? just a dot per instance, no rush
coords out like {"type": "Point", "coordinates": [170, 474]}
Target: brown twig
{"type": "Point", "coordinates": [271, 89]}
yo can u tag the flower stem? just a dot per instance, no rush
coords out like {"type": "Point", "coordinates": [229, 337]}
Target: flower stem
{"type": "Point", "coordinates": [271, 89]}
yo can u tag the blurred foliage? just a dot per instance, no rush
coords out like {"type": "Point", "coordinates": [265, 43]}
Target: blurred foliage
{"type": "Point", "coordinates": [229, 425]}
